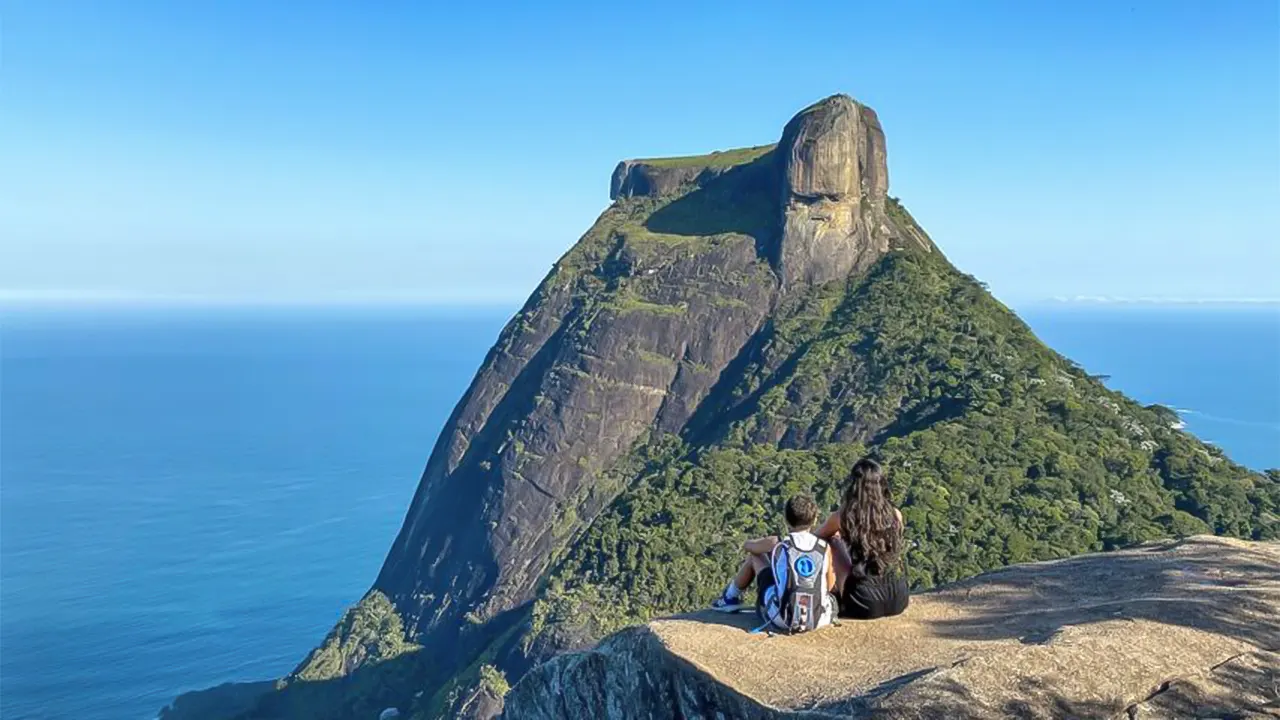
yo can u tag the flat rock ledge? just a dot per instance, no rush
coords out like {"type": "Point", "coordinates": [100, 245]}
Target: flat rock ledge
{"type": "Point", "coordinates": [1187, 628]}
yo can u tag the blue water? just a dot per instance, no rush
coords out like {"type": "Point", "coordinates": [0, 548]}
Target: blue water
{"type": "Point", "coordinates": [189, 498]}
{"type": "Point", "coordinates": [1219, 367]}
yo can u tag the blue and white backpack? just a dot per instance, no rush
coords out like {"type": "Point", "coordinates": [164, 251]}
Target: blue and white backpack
{"type": "Point", "coordinates": [798, 600]}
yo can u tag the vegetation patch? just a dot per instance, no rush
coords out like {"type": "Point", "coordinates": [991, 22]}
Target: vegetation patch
{"type": "Point", "coordinates": [370, 632]}
{"type": "Point", "coordinates": [630, 302]}
{"type": "Point", "coordinates": [717, 159]}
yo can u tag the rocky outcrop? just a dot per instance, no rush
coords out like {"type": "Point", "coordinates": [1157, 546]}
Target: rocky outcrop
{"type": "Point", "coordinates": [1185, 629]}
{"type": "Point", "coordinates": [835, 185]}
{"type": "Point", "coordinates": [666, 176]}
{"type": "Point", "coordinates": [636, 178]}
{"type": "Point", "coordinates": [833, 177]}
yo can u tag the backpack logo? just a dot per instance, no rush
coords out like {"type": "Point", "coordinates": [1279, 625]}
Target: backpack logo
{"type": "Point", "coordinates": [805, 567]}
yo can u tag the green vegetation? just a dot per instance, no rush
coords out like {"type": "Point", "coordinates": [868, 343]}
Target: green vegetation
{"type": "Point", "coordinates": [493, 680]}
{"type": "Point", "coordinates": [480, 677]}
{"type": "Point", "coordinates": [1000, 450]}
{"type": "Point", "coordinates": [629, 303]}
{"type": "Point", "coordinates": [369, 633]}
{"type": "Point", "coordinates": [614, 265]}
{"type": "Point", "coordinates": [717, 159]}
{"type": "Point", "coordinates": [362, 665]}
{"type": "Point", "coordinates": [655, 359]}
{"type": "Point", "coordinates": [668, 542]}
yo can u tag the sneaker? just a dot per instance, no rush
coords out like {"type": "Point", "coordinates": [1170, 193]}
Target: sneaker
{"type": "Point", "coordinates": [726, 604]}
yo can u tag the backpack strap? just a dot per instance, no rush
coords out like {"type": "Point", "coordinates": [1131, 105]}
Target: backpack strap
{"type": "Point", "coordinates": [776, 609]}
{"type": "Point", "coordinates": [820, 609]}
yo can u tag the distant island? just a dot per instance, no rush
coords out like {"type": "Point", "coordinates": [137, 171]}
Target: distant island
{"type": "Point", "coordinates": [734, 328]}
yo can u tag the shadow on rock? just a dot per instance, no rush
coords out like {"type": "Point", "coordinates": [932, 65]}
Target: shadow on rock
{"type": "Point", "coordinates": [743, 200]}
{"type": "Point", "coordinates": [1181, 583]}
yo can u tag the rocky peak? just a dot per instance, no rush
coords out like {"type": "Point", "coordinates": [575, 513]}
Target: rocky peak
{"type": "Point", "coordinates": [835, 183]}
{"type": "Point", "coordinates": [832, 183]}
{"type": "Point", "coordinates": [835, 149]}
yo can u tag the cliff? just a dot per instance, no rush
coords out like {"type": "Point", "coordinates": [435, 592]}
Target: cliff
{"type": "Point", "coordinates": [735, 328]}
{"type": "Point", "coordinates": [1189, 629]}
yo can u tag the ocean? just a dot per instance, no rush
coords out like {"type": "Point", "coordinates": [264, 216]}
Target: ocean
{"type": "Point", "coordinates": [191, 497]}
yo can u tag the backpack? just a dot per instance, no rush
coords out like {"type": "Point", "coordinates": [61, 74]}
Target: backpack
{"type": "Point", "coordinates": [798, 600]}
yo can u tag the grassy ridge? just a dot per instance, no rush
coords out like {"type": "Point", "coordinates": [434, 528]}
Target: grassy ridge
{"type": "Point", "coordinates": [717, 159]}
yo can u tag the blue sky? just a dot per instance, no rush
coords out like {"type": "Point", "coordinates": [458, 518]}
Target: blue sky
{"type": "Point", "coordinates": [337, 151]}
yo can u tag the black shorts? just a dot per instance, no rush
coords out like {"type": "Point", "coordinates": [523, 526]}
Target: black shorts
{"type": "Point", "coordinates": [764, 581]}
{"type": "Point", "coordinates": [874, 596]}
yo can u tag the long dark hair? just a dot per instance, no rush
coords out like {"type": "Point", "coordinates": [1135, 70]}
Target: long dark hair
{"type": "Point", "coordinates": [868, 522]}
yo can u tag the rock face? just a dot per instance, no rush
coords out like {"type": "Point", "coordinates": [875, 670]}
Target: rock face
{"type": "Point", "coordinates": [1188, 629]}
{"type": "Point", "coordinates": [573, 382]}
{"type": "Point", "coordinates": [664, 176]}
{"type": "Point", "coordinates": [636, 178]}
{"type": "Point", "coordinates": [836, 181]}
{"type": "Point", "coordinates": [592, 363]}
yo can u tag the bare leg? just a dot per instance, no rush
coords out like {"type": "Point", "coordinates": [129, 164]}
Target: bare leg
{"type": "Point", "coordinates": [751, 566]}
{"type": "Point", "coordinates": [746, 573]}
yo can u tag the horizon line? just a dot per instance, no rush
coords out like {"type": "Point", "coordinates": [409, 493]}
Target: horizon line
{"type": "Point", "coordinates": [73, 299]}
{"type": "Point", "coordinates": [89, 299]}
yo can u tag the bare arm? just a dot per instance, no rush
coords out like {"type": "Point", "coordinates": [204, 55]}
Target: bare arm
{"type": "Point", "coordinates": [831, 571]}
{"type": "Point", "coordinates": [760, 546]}
{"type": "Point", "coordinates": [830, 528]}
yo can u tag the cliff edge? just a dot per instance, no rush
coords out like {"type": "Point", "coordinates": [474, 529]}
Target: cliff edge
{"type": "Point", "coordinates": [1181, 629]}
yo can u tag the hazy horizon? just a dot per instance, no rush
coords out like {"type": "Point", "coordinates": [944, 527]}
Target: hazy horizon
{"type": "Point", "coordinates": [512, 303]}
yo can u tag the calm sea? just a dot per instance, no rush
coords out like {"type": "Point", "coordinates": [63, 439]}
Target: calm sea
{"type": "Point", "coordinates": [192, 497]}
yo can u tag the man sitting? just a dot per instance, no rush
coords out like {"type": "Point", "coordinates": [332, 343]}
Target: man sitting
{"type": "Point", "coordinates": [794, 575]}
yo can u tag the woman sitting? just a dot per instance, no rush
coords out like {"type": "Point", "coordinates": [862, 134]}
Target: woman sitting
{"type": "Point", "coordinates": [869, 577]}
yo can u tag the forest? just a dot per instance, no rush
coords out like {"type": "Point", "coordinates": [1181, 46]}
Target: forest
{"type": "Point", "coordinates": [999, 451]}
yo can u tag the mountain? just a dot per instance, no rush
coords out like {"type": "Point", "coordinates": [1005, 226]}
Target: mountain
{"type": "Point", "coordinates": [734, 328]}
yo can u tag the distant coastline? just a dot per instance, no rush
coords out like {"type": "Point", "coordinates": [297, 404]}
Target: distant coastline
{"type": "Point", "coordinates": [498, 298]}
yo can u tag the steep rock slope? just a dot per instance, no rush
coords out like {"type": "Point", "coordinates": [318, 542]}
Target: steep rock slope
{"type": "Point", "coordinates": [735, 328]}
{"type": "Point", "coordinates": [1190, 629]}
{"type": "Point", "coordinates": [629, 333]}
